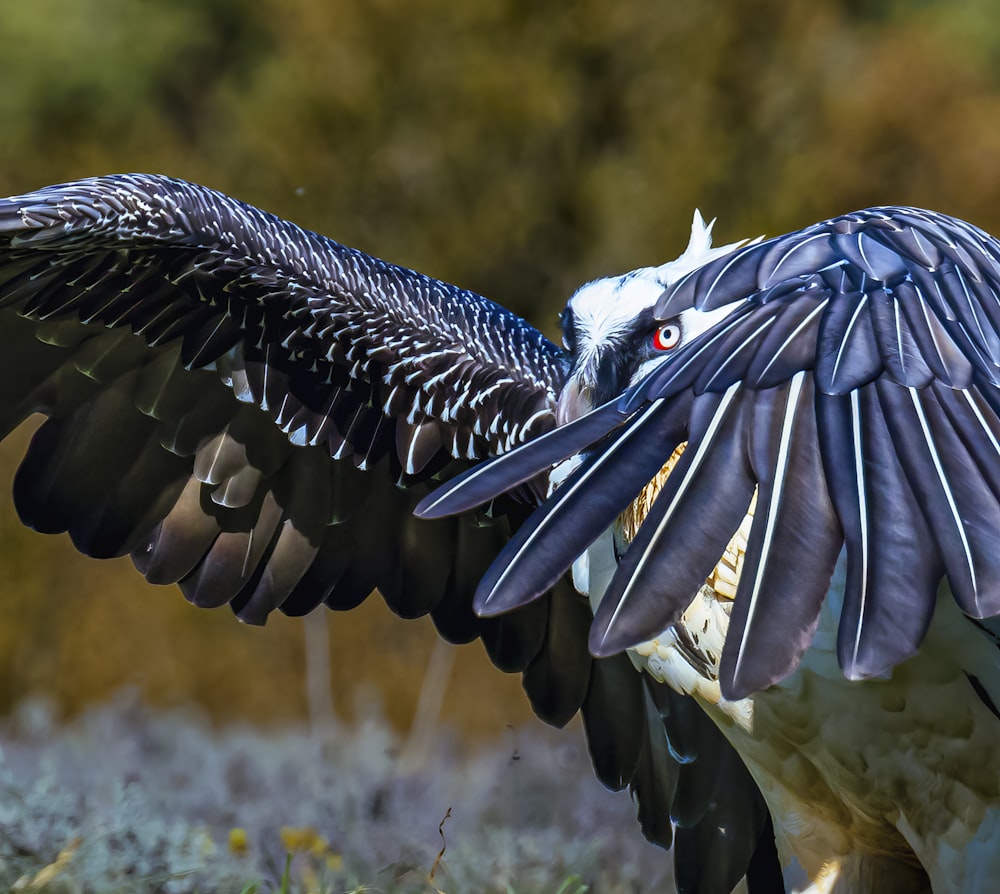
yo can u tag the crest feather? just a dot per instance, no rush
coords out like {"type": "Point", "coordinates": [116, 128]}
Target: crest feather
{"type": "Point", "coordinates": [699, 250]}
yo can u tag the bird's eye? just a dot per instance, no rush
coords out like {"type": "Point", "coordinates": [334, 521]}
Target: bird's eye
{"type": "Point", "coordinates": [667, 336]}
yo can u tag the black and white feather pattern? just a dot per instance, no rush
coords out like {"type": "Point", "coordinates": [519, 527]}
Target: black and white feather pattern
{"type": "Point", "coordinates": [855, 383]}
{"type": "Point", "coordinates": [201, 362]}
{"type": "Point", "coordinates": [253, 411]}
{"type": "Point", "coordinates": [319, 335]}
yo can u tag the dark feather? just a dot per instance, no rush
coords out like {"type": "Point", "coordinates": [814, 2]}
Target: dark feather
{"type": "Point", "coordinates": [59, 485]}
{"type": "Point", "coordinates": [514, 640]}
{"type": "Point", "coordinates": [910, 243]}
{"type": "Point", "coordinates": [174, 547]}
{"type": "Point", "coordinates": [870, 255]}
{"type": "Point", "coordinates": [144, 489]}
{"type": "Point", "coordinates": [936, 346]}
{"type": "Point", "coordinates": [592, 497]}
{"type": "Point", "coordinates": [892, 567]}
{"type": "Point", "coordinates": [847, 354]}
{"type": "Point", "coordinates": [654, 783]}
{"type": "Point", "coordinates": [614, 719]}
{"type": "Point", "coordinates": [232, 560]}
{"type": "Point", "coordinates": [961, 509]}
{"type": "Point", "coordinates": [475, 545]}
{"type": "Point", "coordinates": [421, 546]}
{"type": "Point", "coordinates": [794, 519]}
{"type": "Point", "coordinates": [900, 352]}
{"type": "Point", "coordinates": [685, 533]}
{"type": "Point", "coordinates": [302, 490]}
{"type": "Point", "coordinates": [557, 679]}
{"type": "Point", "coordinates": [976, 424]}
{"type": "Point", "coordinates": [318, 581]}
{"type": "Point", "coordinates": [789, 259]}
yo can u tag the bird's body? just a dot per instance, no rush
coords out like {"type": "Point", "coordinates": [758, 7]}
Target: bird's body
{"type": "Point", "coordinates": [835, 760]}
{"type": "Point", "coordinates": [875, 782]}
{"type": "Point", "coordinates": [773, 467]}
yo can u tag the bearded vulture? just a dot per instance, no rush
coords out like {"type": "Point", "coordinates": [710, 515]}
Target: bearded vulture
{"type": "Point", "coordinates": [746, 520]}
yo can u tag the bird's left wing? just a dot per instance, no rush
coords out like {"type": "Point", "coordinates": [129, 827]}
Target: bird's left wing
{"type": "Point", "coordinates": [268, 305]}
{"type": "Point", "coordinates": [233, 400]}
{"type": "Point", "coordinates": [252, 411]}
{"type": "Point", "coordinates": [854, 385]}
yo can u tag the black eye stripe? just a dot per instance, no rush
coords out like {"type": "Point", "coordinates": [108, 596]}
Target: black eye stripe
{"type": "Point", "coordinates": [567, 320]}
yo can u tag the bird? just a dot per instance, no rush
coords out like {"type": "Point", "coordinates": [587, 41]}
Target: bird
{"type": "Point", "coordinates": [833, 428]}
{"type": "Point", "coordinates": [743, 520]}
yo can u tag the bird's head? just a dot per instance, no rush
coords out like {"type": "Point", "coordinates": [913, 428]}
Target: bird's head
{"type": "Point", "coordinates": [611, 333]}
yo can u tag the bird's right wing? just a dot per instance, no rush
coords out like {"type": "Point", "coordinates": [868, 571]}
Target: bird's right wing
{"type": "Point", "coordinates": [853, 382]}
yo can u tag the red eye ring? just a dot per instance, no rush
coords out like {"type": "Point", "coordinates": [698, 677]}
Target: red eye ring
{"type": "Point", "coordinates": [666, 337]}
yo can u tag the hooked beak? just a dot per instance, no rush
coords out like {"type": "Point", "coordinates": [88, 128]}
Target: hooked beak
{"type": "Point", "coordinates": [574, 400]}
{"type": "Point", "coordinates": [595, 380]}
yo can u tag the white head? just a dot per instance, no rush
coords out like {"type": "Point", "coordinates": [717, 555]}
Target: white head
{"type": "Point", "coordinates": [609, 328]}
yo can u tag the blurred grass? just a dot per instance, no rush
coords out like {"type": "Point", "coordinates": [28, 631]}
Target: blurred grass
{"type": "Point", "coordinates": [126, 799]}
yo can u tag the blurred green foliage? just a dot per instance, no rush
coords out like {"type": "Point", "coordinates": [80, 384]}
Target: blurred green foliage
{"type": "Point", "coordinates": [512, 147]}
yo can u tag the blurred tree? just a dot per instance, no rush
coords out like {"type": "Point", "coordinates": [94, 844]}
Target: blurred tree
{"type": "Point", "coordinates": [514, 148]}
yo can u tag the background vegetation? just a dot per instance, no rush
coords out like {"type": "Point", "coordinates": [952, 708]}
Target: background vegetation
{"type": "Point", "coordinates": [515, 148]}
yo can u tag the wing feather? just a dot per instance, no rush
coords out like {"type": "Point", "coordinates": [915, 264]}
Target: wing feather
{"type": "Point", "coordinates": [614, 717]}
{"type": "Point", "coordinates": [669, 559]}
{"type": "Point", "coordinates": [958, 500]}
{"type": "Point", "coordinates": [546, 545]}
{"type": "Point", "coordinates": [203, 365]}
{"type": "Point", "coordinates": [557, 679]}
{"type": "Point", "coordinates": [889, 319]}
{"type": "Point", "coordinates": [936, 346]}
{"type": "Point", "coordinates": [794, 518]}
{"type": "Point", "coordinates": [897, 345]}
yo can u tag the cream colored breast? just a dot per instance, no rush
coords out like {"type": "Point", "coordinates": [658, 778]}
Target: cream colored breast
{"type": "Point", "coordinates": [686, 655]}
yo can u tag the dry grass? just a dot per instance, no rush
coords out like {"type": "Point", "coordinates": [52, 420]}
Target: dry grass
{"type": "Point", "coordinates": [126, 799]}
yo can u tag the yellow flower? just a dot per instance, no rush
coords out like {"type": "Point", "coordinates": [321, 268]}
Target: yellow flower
{"type": "Point", "coordinates": [238, 843]}
{"type": "Point", "coordinates": [303, 839]}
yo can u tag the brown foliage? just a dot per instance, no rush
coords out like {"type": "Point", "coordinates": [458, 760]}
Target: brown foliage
{"type": "Point", "coordinates": [515, 148]}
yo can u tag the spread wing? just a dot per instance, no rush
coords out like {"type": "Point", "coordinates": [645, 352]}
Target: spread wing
{"type": "Point", "coordinates": [252, 411]}
{"type": "Point", "coordinates": [200, 362]}
{"type": "Point", "coordinates": [854, 385]}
